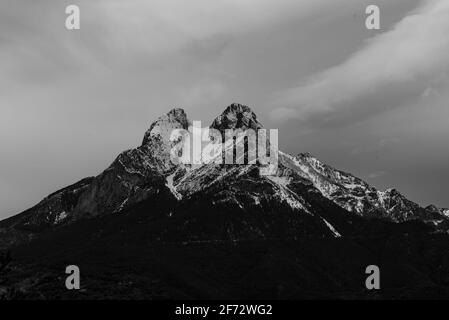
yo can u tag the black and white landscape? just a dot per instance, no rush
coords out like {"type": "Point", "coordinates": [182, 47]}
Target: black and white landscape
{"type": "Point", "coordinates": [146, 228]}
{"type": "Point", "coordinates": [357, 90]}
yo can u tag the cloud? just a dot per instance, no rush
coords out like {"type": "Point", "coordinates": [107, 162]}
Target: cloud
{"type": "Point", "coordinates": [383, 146]}
{"type": "Point", "coordinates": [203, 91]}
{"type": "Point", "coordinates": [387, 72]}
{"type": "Point", "coordinates": [376, 174]}
{"type": "Point", "coordinates": [35, 47]}
{"type": "Point", "coordinates": [75, 99]}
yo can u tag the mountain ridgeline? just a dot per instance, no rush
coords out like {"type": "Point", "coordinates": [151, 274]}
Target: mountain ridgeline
{"type": "Point", "coordinates": [306, 196]}
{"type": "Point", "coordinates": [183, 230]}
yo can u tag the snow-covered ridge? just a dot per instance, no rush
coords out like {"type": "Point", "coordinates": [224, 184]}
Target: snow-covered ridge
{"type": "Point", "coordinates": [354, 194]}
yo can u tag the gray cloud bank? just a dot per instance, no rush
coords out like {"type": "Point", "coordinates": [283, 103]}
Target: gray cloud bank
{"type": "Point", "coordinates": [394, 67]}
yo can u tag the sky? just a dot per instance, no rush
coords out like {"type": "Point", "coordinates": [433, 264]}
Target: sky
{"type": "Point", "coordinates": [369, 102]}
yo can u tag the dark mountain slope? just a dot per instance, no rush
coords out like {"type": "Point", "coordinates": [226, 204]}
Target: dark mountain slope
{"type": "Point", "coordinates": [124, 256]}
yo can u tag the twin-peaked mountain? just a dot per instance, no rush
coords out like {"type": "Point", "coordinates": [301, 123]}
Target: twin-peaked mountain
{"type": "Point", "coordinates": [207, 202]}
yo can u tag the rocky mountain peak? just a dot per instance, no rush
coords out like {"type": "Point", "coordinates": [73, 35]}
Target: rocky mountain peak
{"type": "Point", "coordinates": [392, 192]}
{"type": "Point", "coordinates": [305, 155]}
{"type": "Point", "coordinates": [318, 166]}
{"type": "Point", "coordinates": [178, 114]}
{"type": "Point", "coordinates": [445, 212]}
{"type": "Point", "coordinates": [165, 124]}
{"type": "Point", "coordinates": [432, 208]}
{"type": "Point", "coordinates": [237, 116]}
{"type": "Point", "coordinates": [237, 107]}
{"type": "Point", "coordinates": [303, 184]}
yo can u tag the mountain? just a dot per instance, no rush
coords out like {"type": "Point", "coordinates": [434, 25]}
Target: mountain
{"type": "Point", "coordinates": [304, 197]}
{"type": "Point", "coordinates": [147, 227]}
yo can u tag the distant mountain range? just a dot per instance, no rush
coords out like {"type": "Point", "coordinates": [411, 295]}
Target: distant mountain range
{"type": "Point", "coordinates": [213, 203]}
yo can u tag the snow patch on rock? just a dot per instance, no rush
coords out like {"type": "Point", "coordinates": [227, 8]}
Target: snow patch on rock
{"type": "Point", "coordinates": [285, 194]}
{"type": "Point", "coordinates": [171, 186]}
{"type": "Point", "coordinates": [331, 227]}
{"type": "Point", "coordinates": [60, 217]}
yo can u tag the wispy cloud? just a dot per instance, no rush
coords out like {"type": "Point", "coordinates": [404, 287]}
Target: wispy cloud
{"type": "Point", "coordinates": [390, 69]}
{"type": "Point", "coordinates": [376, 174]}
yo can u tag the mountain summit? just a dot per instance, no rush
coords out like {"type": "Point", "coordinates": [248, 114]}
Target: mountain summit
{"type": "Point", "coordinates": [162, 127]}
{"type": "Point", "coordinates": [237, 116]}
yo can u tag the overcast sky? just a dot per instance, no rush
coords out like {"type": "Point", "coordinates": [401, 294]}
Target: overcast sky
{"type": "Point", "coordinates": [373, 103]}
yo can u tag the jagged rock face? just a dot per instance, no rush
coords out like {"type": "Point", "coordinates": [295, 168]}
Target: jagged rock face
{"type": "Point", "coordinates": [355, 195]}
{"type": "Point", "coordinates": [249, 206]}
{"type": "Point", "coordinates": [156, 142]}
{"type": "Point", "coordinates": [445, 212]}
{"type": "Point", "coordinates": [136, 174]}
{"type": "Point", "coordinates": [399, 208]}
{"type": "Point", "coordinates": [241, 187]}
{"type": "Point", "coordinates": [437, 212]}
{"type": "Point", "coordinates": [236, 116]}
{"type": "Point", "coordinates": [119, 187]}
{"type": "Point", "coordinates": [53, 210]}
{"type": "Point", "coordinates": [161, 129]}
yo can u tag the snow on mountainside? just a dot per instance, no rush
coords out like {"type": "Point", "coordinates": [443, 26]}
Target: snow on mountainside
{"type": "Point", "coordinates": [445, 212]}
{"type": "Point", "coordinates": [136, 174]}
{"type": "Point", "coordinates": [305, 194]}
{"type": "Point", "coordinates": [355, 195]}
